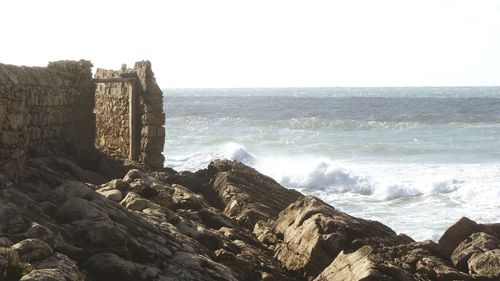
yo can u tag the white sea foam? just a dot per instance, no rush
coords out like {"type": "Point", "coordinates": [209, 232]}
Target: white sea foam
{"type": "Point", "coordinates": [235, 151]}
{"type": "Point", "coordinates": [201, 159]}
{"type": "Point", "coordinates": [402, 195]}
{"type": "Point", "coordinates": [383, 181]}
{"type": "Point", "coordinates": [416, 159]}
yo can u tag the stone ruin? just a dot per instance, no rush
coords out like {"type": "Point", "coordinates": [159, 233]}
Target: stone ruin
{"type": "Point", "coordinates": [129, 114]}
{"type": "Point", "coordinates": [46, 108]}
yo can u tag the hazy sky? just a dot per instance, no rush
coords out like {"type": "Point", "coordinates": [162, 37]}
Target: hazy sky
{"type": "Point", "coordinates": [265, 43]}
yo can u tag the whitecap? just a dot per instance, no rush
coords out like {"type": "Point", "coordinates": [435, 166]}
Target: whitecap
{"type": "Point", "coordinates": [236, 151]}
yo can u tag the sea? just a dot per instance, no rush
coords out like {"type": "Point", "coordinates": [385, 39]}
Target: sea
{"type": "Point", "coordinates": [415, 159]}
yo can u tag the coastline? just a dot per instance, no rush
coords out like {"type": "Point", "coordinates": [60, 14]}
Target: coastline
{"type": "Point", "coordinates": [84, 196]}
{"type": "Point", "coordinates": [399, 155]}
{"type": "Point", "coordinates": [225, 222]}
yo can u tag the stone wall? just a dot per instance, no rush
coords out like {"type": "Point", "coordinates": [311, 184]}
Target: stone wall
{"type": "Point", "coordinates": [42, 108]}
{"type": "Point", "coordinates": [129, 115]}
{"type": "Point", "coordinates": [152, 117]}
{"type": "Point", "coordinates": [112, 115]}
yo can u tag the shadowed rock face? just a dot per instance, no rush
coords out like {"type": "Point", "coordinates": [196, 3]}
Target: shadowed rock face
{"type": "Point", "coordinates": [478, 254]}
{"type": "Point", "coordinates": [247, 195]}
{"type": "Point", "coordinates": [314, 233]}
{"type": "Point", "coordinates": [62, 222]}
{"type": "Point", "coordinates": [158, 231]}
{"type": "Point", "coordinates": [402, 262]}
{"type": "Point", "coordinates": [462, 229]}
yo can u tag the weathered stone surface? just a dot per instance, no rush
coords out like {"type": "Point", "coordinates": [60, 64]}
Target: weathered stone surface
{"type": "Point", "coordinates": [247, 195]}
{"type": "Point", "coordinates": [135, 202]}
{"type": "Point", "coordinates": [436, 269]}
{"type": "Point", "coordinates": [32, 249]}
{"type": "Point", "coordinates": [462, 229]}
{"type": "Point", "coordinates": [406, 262]}
{"type": "Point", "coordinates": [182, 198]}
{"type": "Point", "coordinates": [313, 233]}
{"type": "Point", "coordinates": [46, 110]}
{"type": "Point", "coordinates": [115, 184]}
{"type": "Point", "coordinates": [76, 208]}
{"type": "Point", "coordinates": [4, 264]}
{"type": "Point", "coordinates": [111, 267]}
{"type": "Point", "coordinates": [72, 189]}
{"type": "Point", "coordinates": [478, 255]}
{"type": "Point", "coordinates": [56, 267]}
{"type": "Point", "coordinates": [42, 108]}
{"type": "Point", "coordinates": [56, 171]}
{"type": "Point", "coordinates": [153, 118]}
{"type": "Point", "coordinates": [45, 275]}
{"type": "Point", "coordinates": [264, 232]}
{"type": "Point", "coordinates": [114, 103]}
{"type": "Point", "coordinates": [458, 232]}
{"type": "Point", "coordinates": [353, 267]}
{"type": "Point", "coordinates": [477, 243]}
{"type": "Point", "coordinates": [166, 231]}
{"type": "Point", "coordinates": [485, 265]}
{"type": "Point", "coordinates": [5, 242]}
{"type": "Point", "coordinates": [111, 194]}
{"type": "Point", "coordinates": [41, 232]}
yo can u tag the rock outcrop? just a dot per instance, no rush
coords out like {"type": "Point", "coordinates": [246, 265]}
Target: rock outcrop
{"type": "Point", "coordinates": [247, 195]}
{"type": "Point", "coordinates": [157, 231]}
{"type": "Point", "coordinates": [227, 222]}
{"type": "Point", "coordinates": [478, 254]}
{"type": "Point", "coordinates": [313, 233]}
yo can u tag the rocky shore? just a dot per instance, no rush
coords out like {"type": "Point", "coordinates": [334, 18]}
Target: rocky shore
{"type": "Point", "coordinates": [62, 222]}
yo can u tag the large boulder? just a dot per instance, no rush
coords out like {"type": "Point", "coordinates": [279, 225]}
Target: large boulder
{"type": "Point", "coordinates": [406, 262]}
{"type": "Point", "coordinates": [57, 170]}
{"type": "Point", "coordinates": [353, 267]}
{"type": "Point", "coordinates": [485, 265]}
{"type": "Point", "coordinates": [246, 195]}
{"type": "Point", "coordinates": [45, 275]}
{"type": "Point", "coordinates": [135, 202]}
{"type": "Point", "coordinates": [107, 266]}
{"type": "Point", "coordinates": [313, 233]}
{"type": "Point", "coordinates": [112, 190]}
{"type": "Point", "coordinates": [462, 229]}
{"type": "Point", "coordinates": [32, 249]}
{"type": "Point", "coordinates": [111, 194]}
{"type": "Point", "coordinates": [57, 267]}
{"type": "Point", "coordinates": [479, 254]}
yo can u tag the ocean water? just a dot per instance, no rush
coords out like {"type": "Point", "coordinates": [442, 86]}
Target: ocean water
{"type": "Point", "coordinates": [416, 159]}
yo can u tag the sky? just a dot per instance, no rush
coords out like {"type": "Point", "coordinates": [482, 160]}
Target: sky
{"type": "Point", "coordinates": [273, 43]}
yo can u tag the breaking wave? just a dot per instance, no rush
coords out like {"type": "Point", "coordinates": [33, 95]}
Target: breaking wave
{"type": "Point", "coordinates": [381, 181]}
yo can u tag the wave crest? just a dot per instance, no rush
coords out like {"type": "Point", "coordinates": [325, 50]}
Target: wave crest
{"type": "Point", "coordinates": [375, 181]}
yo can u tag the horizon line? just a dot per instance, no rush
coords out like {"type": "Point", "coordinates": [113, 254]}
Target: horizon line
{"type": "Point", "coordinates": [325, 87]}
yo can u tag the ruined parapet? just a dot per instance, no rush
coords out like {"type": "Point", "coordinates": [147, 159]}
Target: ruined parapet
{"type": "Point", "coordinates": [42, 108]}
{"type": "Point", "coordinates": [129, 115]}
{"type": "Point", "coordinates": [152, 117]}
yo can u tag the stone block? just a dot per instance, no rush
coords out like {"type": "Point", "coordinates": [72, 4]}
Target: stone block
{"type": "Point", "coordinates": [153, 119]}
{"type": "Point", "coordinates": [153, 160]}
{"type": "Point", "coordinates": [152, 144]}
{"type": "Point", "coordinates": [3, 113]}
{"type": "Point", "coordinates": [16, 121]}
{"type": "Point", "coordinates": [153, 131]}
{"type": "Point", "coordinates": [11, 138]}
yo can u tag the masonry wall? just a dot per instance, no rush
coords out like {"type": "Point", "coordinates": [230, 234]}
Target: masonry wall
{"type": "Point", "coordinates": [45, 108]}
{"type": "Point", "coordinates": [120, 92]}
{"type": "Point", "coordinates": [42, 108]}
{"type": "Point", "coordinates": [152, 117]}
{"type": "Point", "coordinates": [112, 115]}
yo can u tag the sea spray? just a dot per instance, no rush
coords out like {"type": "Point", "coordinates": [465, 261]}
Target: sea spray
{"type": "Point", "coordinates": [402, 156]}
